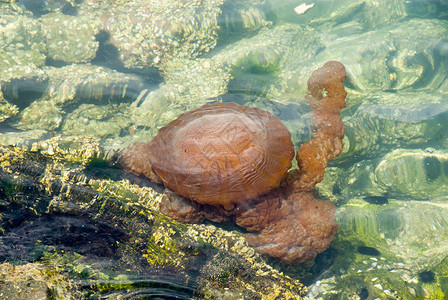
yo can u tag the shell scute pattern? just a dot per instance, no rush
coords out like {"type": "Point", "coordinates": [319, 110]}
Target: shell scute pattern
{"type": "Point", "coordinates": [222, 154]}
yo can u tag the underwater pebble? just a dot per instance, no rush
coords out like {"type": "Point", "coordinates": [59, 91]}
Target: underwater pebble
{"type": "Point", "coordinates": [412, 291]}
{"type": "Point", "coordinates": [50, 150]}
{"type": "Point", "coordinates": [378, 286]}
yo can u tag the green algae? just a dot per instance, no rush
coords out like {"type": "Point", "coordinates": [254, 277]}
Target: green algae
{"type": "Point", "coordinates": [396, 68]}
{"type": "Point", "coordinates": [375, 257]}
{"type": "Point", "coordinates": [439, 287]}
{"type": "Point", "coordinates": [69, 39]}
{"type": "Point", "coordinates": [156, 31]}
{"type": "Point", "coordinates": [405, 174]}
{"type": "Point", "coordinates": [35, 281]}
{"type": "Point", "coordinates": [152, 240]}
{"type": "Point", "coordinates": [97, 121]}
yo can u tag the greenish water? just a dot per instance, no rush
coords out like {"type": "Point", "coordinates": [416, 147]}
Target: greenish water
{"type": "Point", "coordinates": [80, 80]}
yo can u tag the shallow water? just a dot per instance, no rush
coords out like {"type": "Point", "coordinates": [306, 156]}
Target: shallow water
{"type": "Point", "coordinates": [80, 80]}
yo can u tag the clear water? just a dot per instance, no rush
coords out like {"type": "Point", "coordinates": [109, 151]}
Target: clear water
{"type": "Point", "coordinates": [80, 80]}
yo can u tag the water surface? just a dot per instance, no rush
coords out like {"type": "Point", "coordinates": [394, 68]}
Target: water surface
{"type": "Point", "coordinates": [82, 79]}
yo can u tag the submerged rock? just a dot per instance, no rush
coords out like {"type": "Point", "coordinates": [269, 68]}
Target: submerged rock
{"type": "Point", "coordinates": [21, 39]}
{"type": "Point", "coordinates": [7, 109]}
{"type": "Point", "coordinates": [90, 83]}
{"type": "Point", "coordinates": [360, 14]}
{"type": "Point", "coordinates": [379, 123]}
{"type": "Point", "coordinates": [71, 85]}
{"type": "Point", "coordinates": [67, 181]}
{"type": "Point", "coordinates": [240, 18]}
{"type": "Point", "coordinates": [385, 248]}
{"type": "Point", "coordinates": [389, 184]}
{"type": "Point", "coordinates": [34, 281]}
{"type": "Point", "coordinates": [68, 39]}
{"type": "Point", "coordinates": [99, 121]}
{"type": "Point", "coordinates": [417, 174]}
{"type": "Point", "coordinates": [22, 53]}
{"type": "Point", "coordinates": [402, 174]}
{"type": "Point", "coordinates": [146, 33]}
{"type": "Point", "coordinates": [391, 58]}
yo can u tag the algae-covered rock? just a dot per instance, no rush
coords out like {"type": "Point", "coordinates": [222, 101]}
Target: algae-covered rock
{"type": "Point", "coordinates": [21, 56]}
{"type": "Point", "coordinates": [427, 9]}
{"type": "Point", "coordinates": [66, 86]}
{"type": "Point", "coordinates": [23, 139]}
{"type": "Point", "coordinates": [12, 7]}
{"type": "Point", "coordinates": [23, 84]}
{"type": "Point", "coordinates": [386, 249]}
{"type": "Point", "coordinates": [420, 60]}
{"type": "Point", "coordinates": [149, 32]}
{"type": "Point", "coordinates": [77, 82]}
{"type": "Point", "coordinates": [21, 38]}
{"type": "Point", "coordinates": [399, 230]}
{"type": "Point", "coordinates": [97, 121]}
{"type": "Point", "coordinates": [394, 57]}
{"type": "Point", "coordinates": [257, 63]}
{"type": "Point", "coordinates": [403, 174]}
{"type": "Point", "coordinates": [420, 174]}
{"type": "Point", "coordinates": [69, 38]}
{"type": "Point", "coordinates": [179, 88]}
{"type": "Point", "coordinates": [379, 123]}
{"type": "Point", "coordinates": [240, 18]}
{"type": "Point", "coordinates": [6, 109]}
{"type": "Point", "coordinates": [43, 115]}
{"type": "Point", "coordinates": [69, 197]}
{"type": "Point", "coordinates": [33, 281]}
{"type": "Point", "coordinates": [99, 229]}
{"type": "Point", "coordinates": [39, 8]}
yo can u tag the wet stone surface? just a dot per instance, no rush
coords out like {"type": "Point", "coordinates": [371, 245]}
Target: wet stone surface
{"type": "Point", "coordinates": [27, 240]}
{"type": "Point", "coordinates": [80, 80]}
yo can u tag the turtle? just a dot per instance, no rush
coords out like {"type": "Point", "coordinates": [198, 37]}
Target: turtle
{"type": "Point", "coordinates": [230, 162]}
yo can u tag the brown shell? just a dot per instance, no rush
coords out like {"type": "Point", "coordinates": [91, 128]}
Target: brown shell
{"type": "Point", "coordinates": [222, 154]}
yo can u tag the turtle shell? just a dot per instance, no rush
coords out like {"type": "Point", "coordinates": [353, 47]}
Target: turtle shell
{"type": "Point", "coordinates": [222, 154]}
